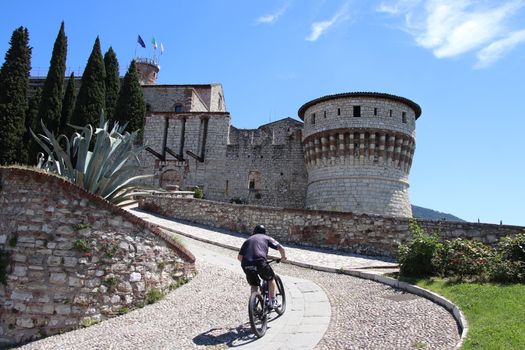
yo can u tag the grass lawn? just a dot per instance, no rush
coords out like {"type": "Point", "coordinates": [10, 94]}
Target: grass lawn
{"type": "Point", "coordinates": [495, 312]}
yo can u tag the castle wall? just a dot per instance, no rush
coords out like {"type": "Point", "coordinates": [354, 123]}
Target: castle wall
{"type": "Point", "coordinates": [358, 153]}
{"type": "Point", "coordinates": [164, 98]}
{"type": "Point", "coordinates": [361, 234]}
{"type": "Point", "coordinates": [266, 166]}
{"type": "Point", "coordinates": [70, 258]}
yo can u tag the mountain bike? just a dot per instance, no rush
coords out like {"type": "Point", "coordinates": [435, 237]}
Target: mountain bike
{"type": "Point", "coordinates": [259, 304]}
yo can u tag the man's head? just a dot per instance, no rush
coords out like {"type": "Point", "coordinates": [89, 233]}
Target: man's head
{"type": "Point", "coordinates": [259, 229]}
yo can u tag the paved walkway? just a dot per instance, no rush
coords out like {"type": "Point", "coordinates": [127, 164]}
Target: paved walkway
{"type": "Point", "coordinates": [320, 259]}
{"type": "Point", "coordinates": [302, 325]}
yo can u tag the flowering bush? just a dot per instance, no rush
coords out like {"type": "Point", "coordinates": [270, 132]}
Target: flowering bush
{"type": "Point", "coordinates": [464, 258]}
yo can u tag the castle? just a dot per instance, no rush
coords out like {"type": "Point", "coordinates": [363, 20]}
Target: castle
{"type": "Point", "coordinates": [352, 152]}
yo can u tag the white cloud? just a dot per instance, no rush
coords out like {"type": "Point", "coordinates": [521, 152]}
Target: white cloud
{"type": "Point", "coordinates": [272, 18]}
{"type": "Point", "coordinates": [498, 49]}
{"type": "Point", "coordinates": [319, 28]}
{"type": "Point", "coordinates": [453, 27]}
{"type": "Point", "coordinates": [397, 7]}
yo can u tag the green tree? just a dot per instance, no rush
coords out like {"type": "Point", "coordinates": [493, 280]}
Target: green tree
{"type": "Point", "coordinates": [14, 81]}
{"type": "Point", "coordinates": [32, 122]}
{"type": "Point", "coordinates": [112, 82]}
{"type": "Point", "coordinates": [92, 95]}
{"type": "Point", "coordinates": [131, 106]}
{"type": "Point", "coordinates": [51, 102]}
{"type": "Point", "coordinates": [67, 105]}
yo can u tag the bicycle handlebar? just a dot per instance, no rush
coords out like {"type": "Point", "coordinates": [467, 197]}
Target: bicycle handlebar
{"type": "Point", "coordinates": [273, 260]}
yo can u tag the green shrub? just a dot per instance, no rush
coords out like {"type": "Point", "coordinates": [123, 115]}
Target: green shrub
{"type": "Point", "coordinates": [153, 296]}
{"type": "Point", "coordinates": [110, 282]}
{"type": "Point", "coordinates": [513, 248]}
{"type": "Point", "coordinates": [464, 258]}
{"type": "Point", "coordinates": [110, 250]}
{"type": "Point", "coordinates": [198, 193]}
{"type": "Point", "coordinates": [123, 310]}
{"type": "Point", "coordinates": [179, 283]}
{"type": "Point", "coordinates": [80, 226]}
{"type": "Point", "coordinates": [82, 245]}
{"type": "Point", "coordinates": [510, 263]}
{"type": "Point", "coordinates": [507, 271]}
{"type": "Point", "coordinates": [415, 257]}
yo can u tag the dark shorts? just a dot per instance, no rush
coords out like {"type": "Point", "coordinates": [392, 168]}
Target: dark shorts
{"type": "Point", "coordinates": [253, 272]}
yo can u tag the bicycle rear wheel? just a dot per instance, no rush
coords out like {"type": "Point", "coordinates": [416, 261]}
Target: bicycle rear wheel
{"type": "Point", "coordinates": [258, 315]}
{"type": "Point", "coordinates": [280, 295]}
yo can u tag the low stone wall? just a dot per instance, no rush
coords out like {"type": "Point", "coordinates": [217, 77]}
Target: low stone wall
{"type": "Point", "coordinates": [69, 258]}
{"type": "Point", "coordinates": [362, 234]}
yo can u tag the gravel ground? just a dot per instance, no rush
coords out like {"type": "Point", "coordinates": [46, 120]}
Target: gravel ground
{"type": "Point", "coordinates": [210, 312]}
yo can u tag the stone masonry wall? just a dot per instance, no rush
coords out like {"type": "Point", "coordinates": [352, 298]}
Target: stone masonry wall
{"type": "Point", "coordinates": [362, 234]}
{"type": "Point", "coordinates": [359, 160]}
{"type": "Point", "coordinates": [265, 166]}
{"type": "Point", "coordinates": [70, 258]}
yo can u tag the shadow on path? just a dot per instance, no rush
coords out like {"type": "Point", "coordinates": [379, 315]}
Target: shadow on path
{"type": "Point", "coordinates": [232, 337]}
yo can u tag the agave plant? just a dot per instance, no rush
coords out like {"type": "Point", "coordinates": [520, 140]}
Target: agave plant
{"type": "Point", "coordinates": [109, 170]}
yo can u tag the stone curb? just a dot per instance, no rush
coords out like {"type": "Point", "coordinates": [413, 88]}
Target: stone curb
{"type": "Point", "coordinates": [404, 286]}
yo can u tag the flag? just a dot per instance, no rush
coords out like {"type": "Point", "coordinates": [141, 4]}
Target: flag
{"type": "Point", "coordinates": [141, 42]}
{"type": "Point", "coordinates": [161, 48]}
{"type": "Point", "coordinates": [154, 42]}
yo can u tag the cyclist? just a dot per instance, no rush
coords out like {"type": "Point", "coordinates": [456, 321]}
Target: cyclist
{"type": "Point", "coordinates": [253, 255]}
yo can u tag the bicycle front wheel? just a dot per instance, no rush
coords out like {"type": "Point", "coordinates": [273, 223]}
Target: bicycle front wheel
{"type": "Point", "coordinates": [258, 315]}
{"type": "Point", "coordinates": [280, 295]}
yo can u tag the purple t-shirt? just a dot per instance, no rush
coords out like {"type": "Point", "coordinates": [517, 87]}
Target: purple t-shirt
{"type": "Point", "coordinates": [255, 249]}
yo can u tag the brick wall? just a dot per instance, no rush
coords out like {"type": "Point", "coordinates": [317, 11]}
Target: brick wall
{"type": "Point", "coordinates": [71, 258]}
{"type": "Point", "coordinates": [362, 234]}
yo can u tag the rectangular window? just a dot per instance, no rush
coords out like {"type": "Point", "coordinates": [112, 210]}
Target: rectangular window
{"type": "Point", "coordinates": [375, 111]}
{"type": "Point", "coordinates": [390, 112]}
{"type": "Point", "coordinates": [338, 111]}
{"type": "Point", "coordinates": [313, 118]}
{"type": "Point", "coordinates": [404, 117]}
{"type": "Point", "coordinates": [252, 184]}
{"type": "Point", "coordinates": [357, 111]}
{"type": "Point", "coordinates": [325, 114]}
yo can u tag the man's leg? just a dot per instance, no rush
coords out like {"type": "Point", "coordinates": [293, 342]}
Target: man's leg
{"type": "Point", "coordinates": [272, 287]}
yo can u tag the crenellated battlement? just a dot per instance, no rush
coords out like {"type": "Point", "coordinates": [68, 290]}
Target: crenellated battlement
{"type": "Point", "coordinates": [359, 147]}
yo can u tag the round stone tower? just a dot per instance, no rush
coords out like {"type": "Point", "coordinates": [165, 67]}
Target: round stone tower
{"type": "Point", "coordinates": [148, 70]}
{"type": "Point", "coordinates": [358, 150]}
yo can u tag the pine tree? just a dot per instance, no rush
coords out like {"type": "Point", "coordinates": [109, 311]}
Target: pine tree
{"type": "Point", "coordinates": [33, 122]}
{"type": "Point", "coordinates": [131, 107]}
{"type": "Point", "coordinates": [112, 82]}
{"type": "Point", "coordinates": [14, 81]}
{"type": "Point", "coordinates": [92, 95]}
{"type": "Point", "coordinates": [68, 103]}
{"type": "Point", "coordinates": [51, 102]}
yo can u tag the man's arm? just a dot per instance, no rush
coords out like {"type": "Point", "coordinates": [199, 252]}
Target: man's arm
{"type": "Point", "coordinates": [283, 252]}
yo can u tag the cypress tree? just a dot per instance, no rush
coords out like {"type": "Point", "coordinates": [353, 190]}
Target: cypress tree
{"type": "Point", "coordinates": [51, 102]}
{"type": "Point", "coordinates": [67, 105]}
{"type": "Point", "coordinates": [33, 122]}
{"type": "Point", "coordinates": [14, 81]}
{"type": "Point", "coordinates": [112, 82]}
{"type": "Point", "coordinates": [92, 95]}
{"type": "Point", "coordinates": [131, 106]}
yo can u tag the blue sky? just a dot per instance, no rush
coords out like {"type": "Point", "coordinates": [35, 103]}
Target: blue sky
{"type": "Point", "coordinates": [462, 61]}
